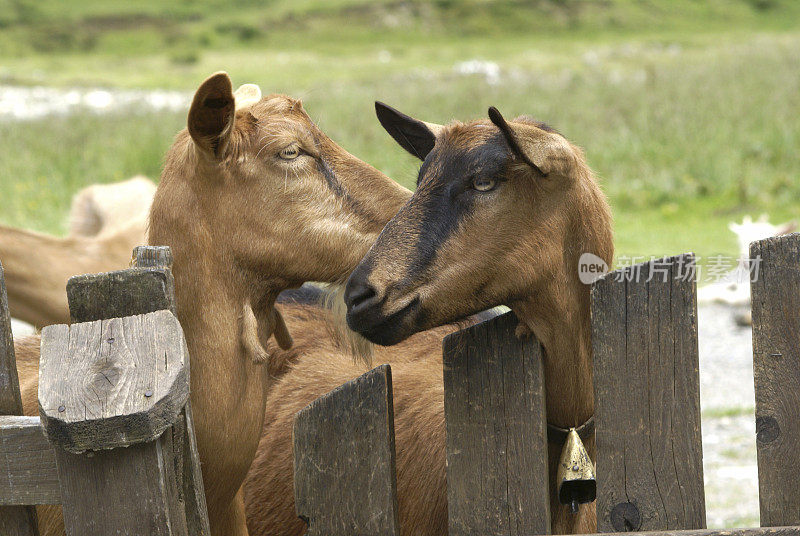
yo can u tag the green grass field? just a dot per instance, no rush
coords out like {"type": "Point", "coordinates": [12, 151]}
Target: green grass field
{"type": "Point", "coordinates": [688, 110]}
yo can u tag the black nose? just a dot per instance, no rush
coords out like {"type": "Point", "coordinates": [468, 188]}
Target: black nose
{"type": "Point", "coordinates": [358, 294]}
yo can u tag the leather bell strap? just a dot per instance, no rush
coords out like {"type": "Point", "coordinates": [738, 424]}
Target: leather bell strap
{"type": "Point", "coordinates": [558, 435]}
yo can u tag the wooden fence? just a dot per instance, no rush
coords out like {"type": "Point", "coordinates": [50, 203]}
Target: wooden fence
{"type": "Point", "coordinates": [646, 382]}
{"type": "Point", "coordinates": [115, 416]}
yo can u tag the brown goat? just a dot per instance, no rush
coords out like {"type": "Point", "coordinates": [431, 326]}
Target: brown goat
{"type": "Point", "coordinates": [253, 199]}
{"type": "Point", "coordinates": [501, 215]}
{"type": "Point", "coordinates": [106, 222]}
{"type": "Point", "coordinates": [316, 366]}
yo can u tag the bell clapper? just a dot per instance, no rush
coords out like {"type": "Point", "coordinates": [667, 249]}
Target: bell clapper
{"type": "Point", "coordinates": [573, 506]}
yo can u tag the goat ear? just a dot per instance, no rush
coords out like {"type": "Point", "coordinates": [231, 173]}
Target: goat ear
{"type": "Point", "coordinates": [415, 136]}
{"type": "Point", "coordinates": [247, 95]}
{"type": "Point", "coordinates": [211, 115]}
{"type": "Point", "coordinates": [546, 152]}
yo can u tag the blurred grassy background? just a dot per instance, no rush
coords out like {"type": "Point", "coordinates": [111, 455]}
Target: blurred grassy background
{"type": "Point", "coordinates": [688, 110]}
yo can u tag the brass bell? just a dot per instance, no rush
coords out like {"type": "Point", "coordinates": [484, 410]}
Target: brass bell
{"type": "Point", "coordinates": [576, 477]}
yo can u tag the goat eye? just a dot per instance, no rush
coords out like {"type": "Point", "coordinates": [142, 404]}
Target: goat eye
{"type": "Point", "coordinates": [483, 184]}
{"type": "Point", "coordinates": [290, 153]}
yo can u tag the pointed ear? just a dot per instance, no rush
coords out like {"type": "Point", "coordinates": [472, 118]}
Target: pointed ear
{"type": "Point", "coordinates": [546, 152]}
{"type": "Point", "coordinates": [247, 95]}
{"type": "Point", "coordinates": [415, 136]}
{"type": "Point", "coordinates": [211, 115]}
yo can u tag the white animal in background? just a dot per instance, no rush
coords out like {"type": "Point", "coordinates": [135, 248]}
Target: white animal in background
{"type": "Point", "coordinates": [21, 329]}
{"type": "Point", "coordinates": [734, 287]}
{"type": "Point", "coordinates": [749, 231]}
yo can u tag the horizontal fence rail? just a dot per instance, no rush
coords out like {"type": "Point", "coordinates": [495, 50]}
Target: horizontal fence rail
{"type": "Point", "coordinates": [30, 475]}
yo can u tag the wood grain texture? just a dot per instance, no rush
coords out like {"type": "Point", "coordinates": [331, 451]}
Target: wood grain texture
{"type": "Point", "coordinates": [122, 491]}
{"type": "Point", "coordinates": [344, 459]}
{"type": "Point", "coordinates": [775, 290]}
{"type": "Point", "coordinates": [10, 398]}
{"type": "Point", "coordinates": [190, 474]}
{"type": "Point", "coordinates": [647, 398]}
{"type": "Point", "coordinates": [112, 383]}
{"type": "Point", "coordinates": [29, 474]}
{"type": "Point", "coordinates": [497, 481]}
{"type": "Point", "coordinates": [152, 257]}
{"type": "Point", "coordinates": [14, 520]}
{"type": "Point", "coordinates": [194, 495]}
{"type": "Point", "coordinates": [134, 291]}
{"type": "Point", "coordinates": [776, 531]}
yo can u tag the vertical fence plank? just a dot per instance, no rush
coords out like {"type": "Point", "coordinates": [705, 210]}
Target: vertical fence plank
{"type": "Point", "coordinates": [775, 286]}
{"type": "Point", "coordinates": [160, 259]}
{"type": "Point", "coordinates": [14, 520]}
{"type": "Point", "coordinates": [344, 459]}
{"type": "Point", "coordinates": [647, 398]}
{"type": "Point", "coordinates": [497, 482]}
{"type": "Point", "coordinates": [109, 394]}
{"type": "Point", "coordinates": [146, 287]}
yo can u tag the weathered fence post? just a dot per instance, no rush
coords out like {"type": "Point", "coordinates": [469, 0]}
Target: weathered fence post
{"type": "Point", "coordinates": [148, 286]}
{"type": "Point", "coordinates": [109, 393]}
{"type": "Point", "coordinates": [647, 398]}
{"type": "Point", "coordinates": [775, 289]}
{"type": "Point", "coordinates": [145, 288]}
{"type": "Point", "coordinates": [344, 459]}
{"type": "Point", "coordinates": [497, 481]}
{"type": "Point", "coordinates": [14, 520]}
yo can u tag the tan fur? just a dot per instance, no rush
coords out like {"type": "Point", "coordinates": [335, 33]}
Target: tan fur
{"type": "Point", "coordinates": [106, 222]}
{"type": "Point", "coordinates": [38, 266]}
{"type": "Point", "coordinates": [244, 224]}
{"type": "Point", "coordinates": [419, 425]}
{"type": "Point", "coordinates": [102, 209]}
{"type": "Point", "coordinates": [519, 246]}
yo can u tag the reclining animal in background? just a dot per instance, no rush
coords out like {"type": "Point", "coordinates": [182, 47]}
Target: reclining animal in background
{"type": "Point", "coordinates": [106, 222]}
{"type": "Point", "coordinates": [501, 215]}
{"type": "Point", "coordinates": [102, 209]}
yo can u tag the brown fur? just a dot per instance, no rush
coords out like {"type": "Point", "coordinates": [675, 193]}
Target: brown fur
{"type": "Point", "coordinates": [517, 244]}
{"type": "Point", "coordinates": [419, 425]}
{"type": "Point", "coordinates": [244, 224]}
{"type": "Point", "coordinates": [106, 222]}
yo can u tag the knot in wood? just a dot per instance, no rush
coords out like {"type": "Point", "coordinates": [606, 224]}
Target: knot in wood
{"type": "Point", "coordinates": [105, 378]}
{"type": "Point", "coordinates": [101, 391]}
{"type": "Point", "coordinates": [767, 429]}
{"type": "Point", "coordinates": [625, 517]}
